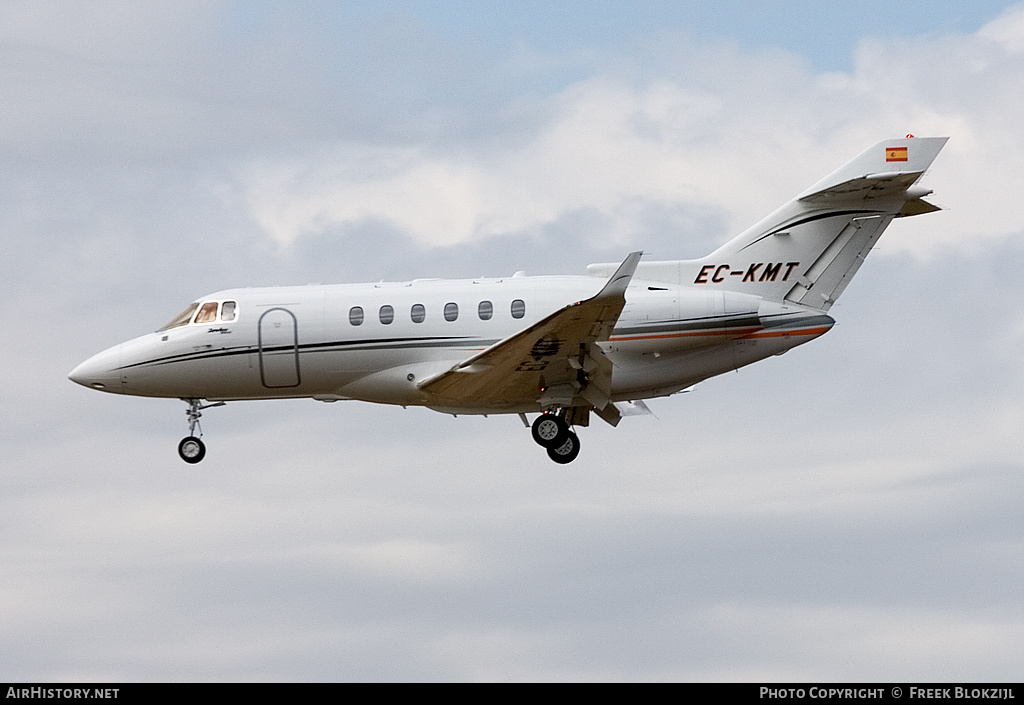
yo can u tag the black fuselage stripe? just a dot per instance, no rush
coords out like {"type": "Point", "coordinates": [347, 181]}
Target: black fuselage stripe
{"type": "Point", "coordinates": [364, 344]}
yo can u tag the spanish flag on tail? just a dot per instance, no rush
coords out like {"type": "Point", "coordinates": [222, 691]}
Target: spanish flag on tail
{"type": "Point", "coordinates": [895, 154]}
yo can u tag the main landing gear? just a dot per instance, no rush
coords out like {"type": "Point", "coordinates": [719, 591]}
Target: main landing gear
{"type": "Point", "coordinates": [551, 431]}
{"type": "Point", "coordinates": [192, 449]}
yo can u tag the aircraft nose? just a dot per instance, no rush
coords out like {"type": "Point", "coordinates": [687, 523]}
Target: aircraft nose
{"type": "Point", "coordinates": [100, 371]}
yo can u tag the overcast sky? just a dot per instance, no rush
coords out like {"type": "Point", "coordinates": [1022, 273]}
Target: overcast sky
{"type": "Point", "coordinates": [849, 511]}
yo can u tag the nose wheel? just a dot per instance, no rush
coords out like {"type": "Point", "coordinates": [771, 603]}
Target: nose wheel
{"type": "Point", "coordinates": [191, 448]}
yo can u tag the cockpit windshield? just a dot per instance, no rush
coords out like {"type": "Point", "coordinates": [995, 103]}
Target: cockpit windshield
{"type": "Point", "coordinates": [207, 313]}
{"type": "Point", "coordinates": [182, 318]}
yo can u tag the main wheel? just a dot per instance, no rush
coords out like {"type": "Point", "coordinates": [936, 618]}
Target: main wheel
{"type": "Point", "coordinates": [549, 430]}
{"type": "Point", "coordinates": [191, 449]}
{"type": "Point", "coordinates": [567, 452]}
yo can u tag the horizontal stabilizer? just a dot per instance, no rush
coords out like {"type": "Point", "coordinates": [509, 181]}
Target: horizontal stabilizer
{"type": "Point", "coordinates": [886, 170]}
{"type": "Point", "coordinates": [865, 188]}
{"type": "Point", "coordinates": [918, 206]}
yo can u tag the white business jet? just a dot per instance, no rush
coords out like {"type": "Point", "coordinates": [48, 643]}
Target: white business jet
{"type": "Point", "coordinates": [561, 347]}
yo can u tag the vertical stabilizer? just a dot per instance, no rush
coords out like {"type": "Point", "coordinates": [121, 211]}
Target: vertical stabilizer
{"type": "Point", "coordinates": [807, 251]}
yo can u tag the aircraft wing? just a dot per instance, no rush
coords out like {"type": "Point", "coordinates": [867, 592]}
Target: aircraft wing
{"type": "Point", "coordinates": [554, 362]}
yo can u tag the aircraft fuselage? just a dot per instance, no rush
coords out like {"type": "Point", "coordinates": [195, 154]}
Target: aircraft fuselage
{"type": "Point", "coordinates": [375, 342]}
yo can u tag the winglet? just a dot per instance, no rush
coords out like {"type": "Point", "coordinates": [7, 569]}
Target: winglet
{"type": "Point", "coordinates": [619, 281]}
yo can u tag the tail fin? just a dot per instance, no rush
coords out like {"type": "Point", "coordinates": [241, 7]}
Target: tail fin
{"type": "Point", "coordinates": [807, 251]}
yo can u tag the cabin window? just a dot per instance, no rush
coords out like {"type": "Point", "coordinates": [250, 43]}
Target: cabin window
{"type": "Point", "coordinates": [355, 315]}
{"type": "Point", "coordinates": [387, 314]}
{"type": "Point", "coordinates": [518, 308]}
{"type": "Point", "coordinates": [182, 318]}
{"type": "Point", "coordinates": [418, 313]}
{"type": "Point", "coordinates": [207, 313]}
{"type": "Point", "coordinates": [485, 310]}
{"type": "Point", "coordinates": [227, 311]}
{"type": "Point", "coordinates": [451, 311]}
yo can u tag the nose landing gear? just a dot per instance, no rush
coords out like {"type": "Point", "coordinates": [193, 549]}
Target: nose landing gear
{"type": "Point", "coordinates": [191, 448]}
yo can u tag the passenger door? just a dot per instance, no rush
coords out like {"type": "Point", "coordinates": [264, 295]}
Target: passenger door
{"type": "Point", "coordinates": [279, 349]}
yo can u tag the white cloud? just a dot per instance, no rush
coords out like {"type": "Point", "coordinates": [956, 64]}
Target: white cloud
{"type": "Point", "coordinates": [733, 144]}
{"type": "Point", "coordinates": [607, 147]}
